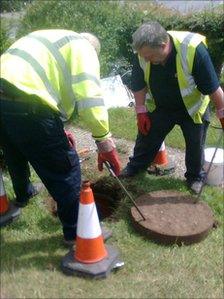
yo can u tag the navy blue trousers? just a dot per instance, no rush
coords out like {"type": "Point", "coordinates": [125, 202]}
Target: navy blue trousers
{"type": "Point", "coordinates": [32, 132]}
{"type": "Point", "coordinates": [162, 122]}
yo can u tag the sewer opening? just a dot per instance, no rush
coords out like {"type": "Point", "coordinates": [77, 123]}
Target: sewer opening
{"type": "Point", "coordinates": [107, 195]}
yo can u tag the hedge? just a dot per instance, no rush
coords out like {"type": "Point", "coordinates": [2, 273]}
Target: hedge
{"type": "Point", "coordinates": [114, 23]}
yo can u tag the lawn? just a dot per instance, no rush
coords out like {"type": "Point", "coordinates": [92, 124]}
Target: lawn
{"type": "Point", "coordinates": [32, 250]}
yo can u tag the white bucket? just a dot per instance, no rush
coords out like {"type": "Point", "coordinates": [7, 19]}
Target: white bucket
{"type": "Point", "coordinates": [216, 173]}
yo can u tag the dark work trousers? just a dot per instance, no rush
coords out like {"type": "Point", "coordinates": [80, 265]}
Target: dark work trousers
{"type": "Point", "coordinates": [162, 122]}
{"type": "Point", "coordinates": [34, 133]}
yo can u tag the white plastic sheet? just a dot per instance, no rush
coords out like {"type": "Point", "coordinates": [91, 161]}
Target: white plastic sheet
{"type": "Point", "coordinates": [115, 93]}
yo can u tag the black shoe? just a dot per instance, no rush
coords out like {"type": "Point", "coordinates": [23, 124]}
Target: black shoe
{"type": "Point", "coordinates": [37, 188]}
{"type": "Point", "coordinates": [125, 173]}
{"type": "Point", "coordinates": [195, 186]}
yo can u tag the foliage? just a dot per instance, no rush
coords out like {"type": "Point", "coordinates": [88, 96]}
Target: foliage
{"type": "Point", "coordinates": [114, 23]}
{"type": "Point", "coordinates": [13, 5]}
{"type": "Point", "coordinates": [4, 40]}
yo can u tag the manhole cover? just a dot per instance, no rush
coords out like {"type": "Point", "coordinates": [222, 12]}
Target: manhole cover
{"type": "Point", "coordinates": [172, 217]}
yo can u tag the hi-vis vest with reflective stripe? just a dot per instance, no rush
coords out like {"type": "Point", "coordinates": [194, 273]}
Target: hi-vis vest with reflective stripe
{"type": "Point", "coordinates": [62, 69]}
{"type": "Point", "coordinates": [185, 44]}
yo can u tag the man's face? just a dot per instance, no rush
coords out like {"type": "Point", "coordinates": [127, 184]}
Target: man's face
{"type": "Point", "coordinates": [154, 55]}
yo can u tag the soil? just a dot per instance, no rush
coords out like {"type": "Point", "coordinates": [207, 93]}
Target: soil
{"type": "Point", "coordinates": [172, 217]}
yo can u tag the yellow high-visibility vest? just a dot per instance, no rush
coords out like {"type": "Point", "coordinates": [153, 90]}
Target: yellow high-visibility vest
{"type": "Point", "coordinates": [185, 44]}
{"type": "Point", "coordinates": [61, 68]}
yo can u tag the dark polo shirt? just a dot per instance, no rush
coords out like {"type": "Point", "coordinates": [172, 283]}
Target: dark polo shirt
{"type": "Point", "coordinates": [164, 84]}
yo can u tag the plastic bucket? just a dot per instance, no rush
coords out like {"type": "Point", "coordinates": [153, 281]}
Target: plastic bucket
{"type": "Point", "coordinates": [216, 173]}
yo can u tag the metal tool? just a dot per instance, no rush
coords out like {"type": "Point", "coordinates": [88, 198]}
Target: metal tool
{"type": "Point", "coordinates": [209, 167]}
{"type": "Point", "coordinates": [122, 186]}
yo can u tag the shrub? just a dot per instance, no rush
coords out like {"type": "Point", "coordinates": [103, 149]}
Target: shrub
{"type": "Point", "coordinates": [114, 23]}
{"type": "Point", "coordinates": [13, 5]}
{"type": "Point", "coordinates": [4, 40]}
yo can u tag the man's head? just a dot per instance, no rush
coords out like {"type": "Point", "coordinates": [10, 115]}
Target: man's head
{"type": "Point", "coordinates": [151, 41]}
{"type": "Point", "coordinates": [94, 41]}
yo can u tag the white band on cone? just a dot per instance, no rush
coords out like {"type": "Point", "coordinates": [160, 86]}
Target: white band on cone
{"type": "Point", "coordinates": [88, 223]}
{"type": "Point", "coordinates": [2, 189]}
{"type": "Point", "coordinates": [162, 147]}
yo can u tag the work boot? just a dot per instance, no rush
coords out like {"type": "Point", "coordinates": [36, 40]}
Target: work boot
{"type": "Point", "coordinates": [105, 233]}
{"type": "Point", "coordinates": [125, 173]}
{"type": "Point", "coordinates": [195, 186]}
{"type": "Point", "coordinates": [37, 188]}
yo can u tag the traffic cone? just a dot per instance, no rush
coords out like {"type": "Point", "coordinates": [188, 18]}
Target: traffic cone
{"type": "Point", "coordinates": [8, 212]}
{"type": "Point", "coordinates": [161, 156]}
{"type": "Point", "coordinates": [4, 203]}
{"type": "Point", "coordinates": [160, 164]}
{"type": "Point", "coordinates": [91, 257]}
{"type": "Point", "coordinates": [89, 241]}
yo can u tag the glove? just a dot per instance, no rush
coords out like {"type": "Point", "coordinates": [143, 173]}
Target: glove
{"type": "Point", "coordinates": [71, 139]}
{"type": "Point", "coordinates": [220, 115]}
{"type": "Point", "coordinates": [107, 152]}
{"type": "Point", "coordinates": [143, 120]}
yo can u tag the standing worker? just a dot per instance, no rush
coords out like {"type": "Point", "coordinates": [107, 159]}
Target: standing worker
{"type": "Point", "coordinates": [45, 76]}
{"type": "Point", "coordinates": [175, 68]}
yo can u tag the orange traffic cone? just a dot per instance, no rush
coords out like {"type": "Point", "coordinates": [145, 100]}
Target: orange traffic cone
{"type": "Point", "coordinates": [4, 204]}
{"type": "Point", "coordinates": [91, 257]}
{"type": "Point", "coordinates": [160, 164]}
{"type": "Point", "coordinates": [8, 212]}
{"type": "Point", "coordinates": [161, 156]}
{"type": "Point", "coordinates": [89, 241]}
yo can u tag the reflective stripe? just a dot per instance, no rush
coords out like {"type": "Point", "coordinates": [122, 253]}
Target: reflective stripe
{"type": "Point", "coordinates": [84, 76]}
{"type": "Point", "coordinates": [60, 60]}
{"type": "Point", "coordinates": [187, 91]}
{"type": "Point", "coordinates": [196, 107]}
{"type": "Point", "coordinates": [89, 103]}
{"type": "Point", "coordinates": [183, 53]}
{"type": "Point", "coordinates": [65, 40]}
{"type": "Point", "coordinates": [38, 69]}
{"type": "Point", "coordinates": [88, 224]}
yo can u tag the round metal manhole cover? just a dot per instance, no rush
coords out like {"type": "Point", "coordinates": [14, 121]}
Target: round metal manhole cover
{"type": "Point", "coordinates": [172, 217]}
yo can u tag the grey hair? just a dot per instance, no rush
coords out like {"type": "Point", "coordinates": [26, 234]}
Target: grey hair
{"type": "Point", "coordinates": [150, 34]}
{"type": "Point", "coordinates": [94, 41]}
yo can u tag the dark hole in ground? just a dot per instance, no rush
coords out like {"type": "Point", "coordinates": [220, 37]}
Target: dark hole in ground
{"type": "Point", "coordinates": [107, 195]}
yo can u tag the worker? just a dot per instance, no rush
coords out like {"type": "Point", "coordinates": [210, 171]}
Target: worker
{"type": "Point", "coordinates": [45, 77]}
{"type": "Point", "coordinates": [175, 69]}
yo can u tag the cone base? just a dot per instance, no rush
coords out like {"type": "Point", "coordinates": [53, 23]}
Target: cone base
{"type": "Point", "coordinates": [101, 269]}
{"type": "Point", "coordinates": [11, 215]}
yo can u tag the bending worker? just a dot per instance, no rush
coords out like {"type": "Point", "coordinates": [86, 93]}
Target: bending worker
{"type": "Point", "coordinates": [175, 69]}
{"type": "Point", "coordinates": [45, 76]}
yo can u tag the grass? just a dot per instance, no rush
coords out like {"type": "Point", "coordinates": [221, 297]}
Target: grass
{"type": "Point", "coordinates": [31, 247]}
{"type": "Point", "coordinates": [31, 253]}
{"type": "Point", "coordinates": [123, 124]}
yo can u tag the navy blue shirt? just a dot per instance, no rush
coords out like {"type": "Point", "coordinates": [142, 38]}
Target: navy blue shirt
{"type": "Point", "coordinates": [163, 79]}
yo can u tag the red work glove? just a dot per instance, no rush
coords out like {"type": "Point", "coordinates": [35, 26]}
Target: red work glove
{"type": "Point", "coordinates": [71, 138]}
{"type": "Point", "coordinates": [107, 152]}
{"type": "Point", "coordinates": [143, 120]}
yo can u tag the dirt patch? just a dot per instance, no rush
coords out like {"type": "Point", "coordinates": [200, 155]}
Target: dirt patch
{"type": "Point", "coordinates": [172, 217]}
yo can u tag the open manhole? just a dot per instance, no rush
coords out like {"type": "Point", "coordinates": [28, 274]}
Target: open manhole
{"type": "Point", "coordinates": [106, 197]}
{"type": "Point", "coordinates": [172, 217]}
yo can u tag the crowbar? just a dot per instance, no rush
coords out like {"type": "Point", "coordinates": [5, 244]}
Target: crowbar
{"type": "Point", "coordinates": [122, 186]}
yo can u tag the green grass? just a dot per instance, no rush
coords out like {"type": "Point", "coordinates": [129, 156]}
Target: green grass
{"type": "Point", "coordinates": [123, 124]}
{"type": "Point", "coordinates": [32, 250]}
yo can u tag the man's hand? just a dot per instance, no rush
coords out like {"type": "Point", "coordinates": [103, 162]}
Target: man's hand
{"type": "Point", "coordinates": [107, 152]}
{"type": "Point", "coordinates": [71, 138]}
{"type": "Point", "coordinates": [143, 120]}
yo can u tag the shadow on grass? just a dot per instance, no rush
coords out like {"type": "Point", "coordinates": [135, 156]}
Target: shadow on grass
{"type": "Point", "coordinates": [41, 254]}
